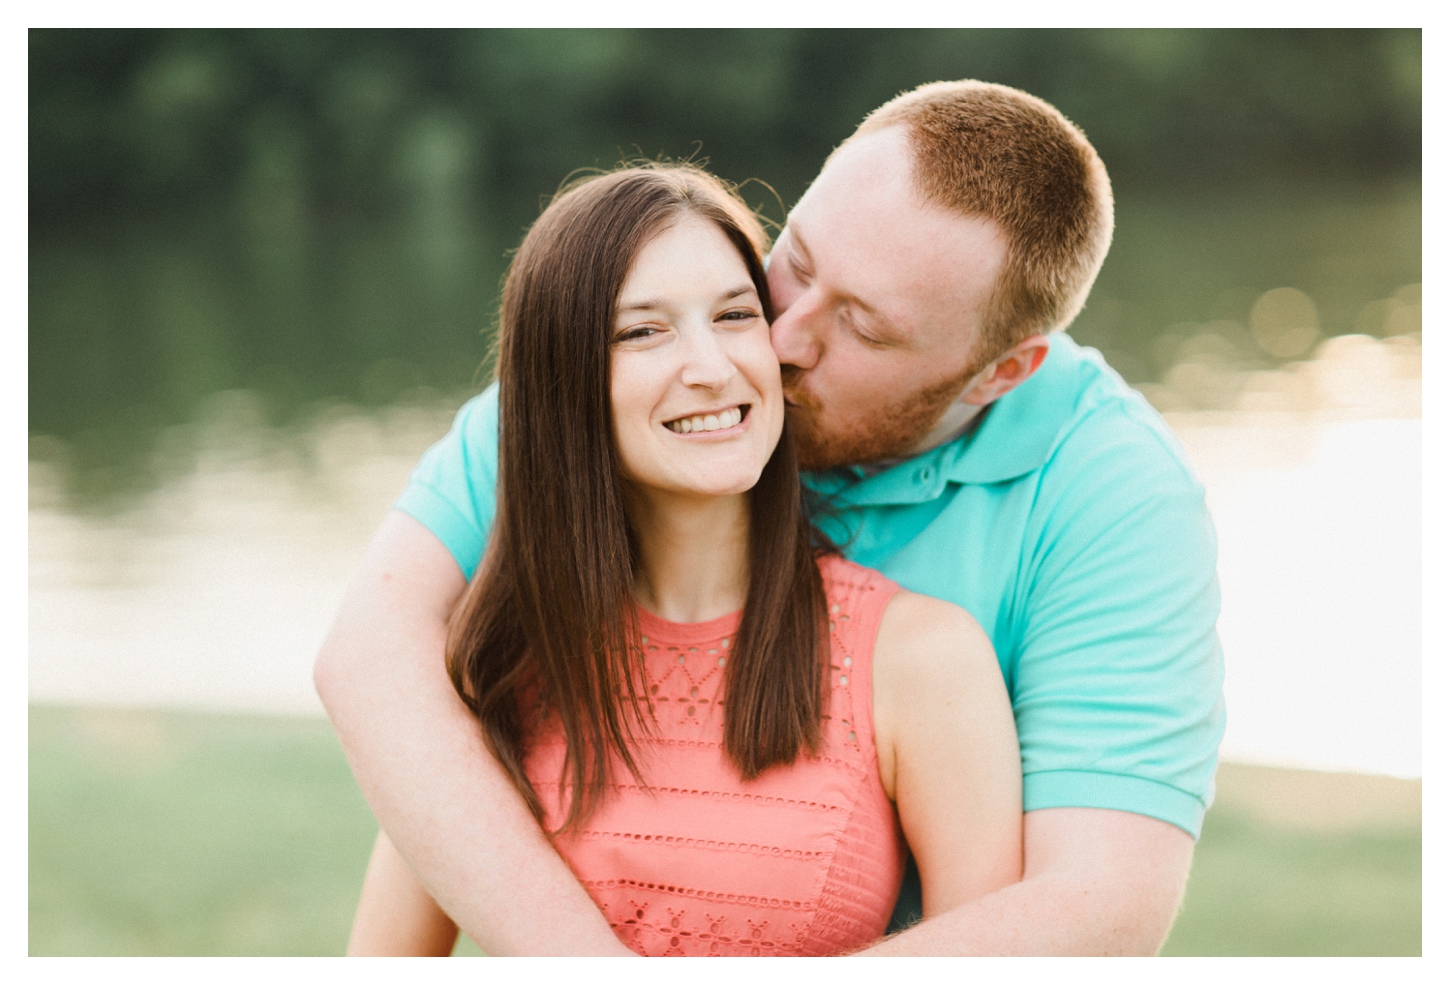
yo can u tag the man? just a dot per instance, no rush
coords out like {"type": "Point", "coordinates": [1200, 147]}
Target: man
{"type": "Point", "coordinates": [971, 454]}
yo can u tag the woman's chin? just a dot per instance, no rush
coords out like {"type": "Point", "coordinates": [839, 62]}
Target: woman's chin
{"type": "Point", "coordinates": [704, 487]}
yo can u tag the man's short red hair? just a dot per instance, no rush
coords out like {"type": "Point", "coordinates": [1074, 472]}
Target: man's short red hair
{"type": "Point", "coordinates": [989, 150]}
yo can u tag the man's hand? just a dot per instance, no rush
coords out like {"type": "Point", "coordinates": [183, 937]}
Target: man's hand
{"type": "Point", "coordinates": [419, 756]}
{"type": "Point", "coordinates": [1096, 882]}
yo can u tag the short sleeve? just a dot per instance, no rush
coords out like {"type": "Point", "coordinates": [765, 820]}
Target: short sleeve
{"type": "Point", "coordinates": [452, 489]}
{"type": "Point", "coordinates": [1118, 682]}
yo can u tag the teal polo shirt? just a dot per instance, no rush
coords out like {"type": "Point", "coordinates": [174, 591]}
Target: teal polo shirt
{"type": "Point", "coordinates": [1067, 522]}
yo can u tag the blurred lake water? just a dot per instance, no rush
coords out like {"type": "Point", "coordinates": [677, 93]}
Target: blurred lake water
{"type": "Point", "coordinates": [215, 590]}
{"type": "Point", "coordinates": [1318, 520]}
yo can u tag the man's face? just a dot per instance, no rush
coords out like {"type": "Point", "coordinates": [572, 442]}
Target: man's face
{"type": "Point", "coordinates": [879, 299]}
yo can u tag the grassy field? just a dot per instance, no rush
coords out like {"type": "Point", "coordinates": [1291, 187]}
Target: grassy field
{"type": "Point", "coordinates": [1301, 863]}
{"type": "Point", "coordinates": [161, 833]}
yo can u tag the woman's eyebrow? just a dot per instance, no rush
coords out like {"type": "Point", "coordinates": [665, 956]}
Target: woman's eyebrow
{"type": "Point", "coordinates": [655, 304]}
{"type": "Point", "coordinates": [649, 305]}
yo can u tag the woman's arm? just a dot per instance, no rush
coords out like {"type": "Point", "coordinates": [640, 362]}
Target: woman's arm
{"type": "Point", "coordinates": [947, 746]}
{"type": "Point", "coordinates": [396, 916]}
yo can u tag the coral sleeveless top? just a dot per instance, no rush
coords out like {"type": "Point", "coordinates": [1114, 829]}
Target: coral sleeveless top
{"type": "Point", "coordinates": [803, 860]}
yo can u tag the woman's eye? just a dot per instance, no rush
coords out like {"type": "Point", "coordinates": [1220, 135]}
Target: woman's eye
{"type": "Point", "coordinates": [636, 333]}
{"type": "Point", "coordinates": [739, 314]}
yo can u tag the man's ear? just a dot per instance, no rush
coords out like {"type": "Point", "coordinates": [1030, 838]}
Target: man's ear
{"type": "Point", "coordinates": [1006, 371]}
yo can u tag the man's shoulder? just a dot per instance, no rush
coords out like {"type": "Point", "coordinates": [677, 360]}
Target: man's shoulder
{"type": "Point", "coordinates": [1111, 431]}
{"type": "Point", "coordinates": [472, 441]}
{"type": "Point", "coordinates": [1117, 480]}
{"type": "Point", "coordinates": [1074, 413]}
{"type": "Point", "coordinates": [451, 489]}
{"type": "Point", "coordinates": [479, 415]}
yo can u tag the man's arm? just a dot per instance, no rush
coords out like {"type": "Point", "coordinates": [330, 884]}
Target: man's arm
{"type": "Point", "coordinates": [1096, 882]}
{"type": "Point", "coordinates": [419, 757]}
{"type": "Point", "coordinates": [1117, 691]}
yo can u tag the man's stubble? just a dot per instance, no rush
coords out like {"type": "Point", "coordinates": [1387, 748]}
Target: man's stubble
{"type": "Point", "coordinates": [868, 437]}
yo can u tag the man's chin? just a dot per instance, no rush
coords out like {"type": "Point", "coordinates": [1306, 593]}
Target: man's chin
{"type": "Point", "coordinates": [816, 453]}
{"type": "Point", "coordinates": [813, 452]}
{"type": "Point", "coordinates": [816, 450]}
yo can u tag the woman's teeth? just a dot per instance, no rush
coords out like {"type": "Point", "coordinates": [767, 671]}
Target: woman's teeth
{"type": "Point", "coordinates": [706, 422]}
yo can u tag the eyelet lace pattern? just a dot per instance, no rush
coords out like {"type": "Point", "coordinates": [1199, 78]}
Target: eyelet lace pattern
{"type": "Point", "coordinates": [803, 860]}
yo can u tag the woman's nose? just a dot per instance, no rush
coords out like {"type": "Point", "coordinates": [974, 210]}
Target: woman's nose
{"type": "Point", "coordinates": [706, 363]}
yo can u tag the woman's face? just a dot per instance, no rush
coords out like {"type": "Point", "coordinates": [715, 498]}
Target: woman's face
{"type": "Point", "coordinates": [694, 381]}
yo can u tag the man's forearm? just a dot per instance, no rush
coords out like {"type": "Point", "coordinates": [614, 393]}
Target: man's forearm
{"type": "Point", "coordinates": [1098, 882]}
{"type": "Point", "coordinates": [1039, 917]}
{"type": "Point", "coordinates": [419, 757]}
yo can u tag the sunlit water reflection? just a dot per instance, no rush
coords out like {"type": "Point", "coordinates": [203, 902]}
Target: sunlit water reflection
{"type": "Point", "coordinates": [216, 591]}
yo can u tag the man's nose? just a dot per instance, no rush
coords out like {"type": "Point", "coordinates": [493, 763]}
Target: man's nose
{"type": "Point", "coordinates": [794, 333]}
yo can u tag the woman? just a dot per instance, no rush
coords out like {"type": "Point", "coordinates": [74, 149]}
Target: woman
{"type": "Point", "coordinates": [726, 729]}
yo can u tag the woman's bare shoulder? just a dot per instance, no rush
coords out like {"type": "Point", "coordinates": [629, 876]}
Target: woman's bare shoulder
{"type": "Point", "coordinates": [923, 635]}
{"type": "Point", "coordinates": [934, 670]}
{"type": "Point", "coordinates": [947, 750]}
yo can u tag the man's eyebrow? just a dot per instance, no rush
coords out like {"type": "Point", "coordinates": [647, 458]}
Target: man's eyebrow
{"type": "Point", "coordinates": [654, 304]}
{"type": "Point", "coordinates": [798, 244]}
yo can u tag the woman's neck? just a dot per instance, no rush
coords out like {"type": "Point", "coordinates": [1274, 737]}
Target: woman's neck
{"type": "Point", "coordinates": [693, 554]}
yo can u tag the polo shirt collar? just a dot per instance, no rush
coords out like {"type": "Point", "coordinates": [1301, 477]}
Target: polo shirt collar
{"type": "Point", "coordinates": [1019, 433]}
{"type": "Point", "coordinates": [1014, 436]}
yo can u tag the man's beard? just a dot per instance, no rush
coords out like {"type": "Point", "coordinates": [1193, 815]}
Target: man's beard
{"type": "Point", "coordinates": [891, 432]}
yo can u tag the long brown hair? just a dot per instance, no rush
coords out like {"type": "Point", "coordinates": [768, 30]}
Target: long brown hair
{"type": "Point", "coordinates": [550, 606]}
